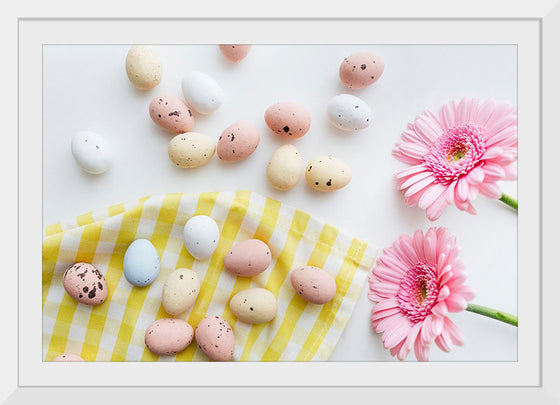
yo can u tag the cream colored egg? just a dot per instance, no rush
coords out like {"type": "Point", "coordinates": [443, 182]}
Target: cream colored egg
{"type": "Point", "coordinates": [143, 67]}
{"type": "Point", "coordinates": [254, 305]}
{"type": "Point", "coordinates": [284, 168]}
{"type": "Point", "coordinates": [180, 291]}
{"type": "Point", "coordinates": [191, 150]}
{"type": "Point", "coordinates": [327, 173]}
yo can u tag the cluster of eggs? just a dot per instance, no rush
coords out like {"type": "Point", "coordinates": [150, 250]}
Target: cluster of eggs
{"type": "Point", "coordinates": [214, 335]}
{"type": "Point", "coordinates": [202, 94]}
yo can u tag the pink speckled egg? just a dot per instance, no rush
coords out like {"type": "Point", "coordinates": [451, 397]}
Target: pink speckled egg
{"type": "Point", "coordinates": [85, 284]}
{"type": "Point", "coordinates": [238, 141]}
{"type": "Point", "coordinates": [289, 120]}
{"type": "Point", "coordinates": [361, 69]}
{"type": "Point", "coordinates": [172, 114]}
{"type": "Point", "coordinates": [235, 53]}
{"type": "Point", "coordinates": [313, 284]}
{"type": "Point", "coordinates": [68, 357]}
{"type": "Point", "coordinates": [248, 258]}
{"type": "Point", "coordinates": [168, 336]}
{"type": "Point", "coordinates": [215, 338]}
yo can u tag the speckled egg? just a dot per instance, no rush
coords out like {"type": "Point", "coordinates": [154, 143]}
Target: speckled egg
{"type": "Point", "coordinates": [248, 258]}
{"type": "Point", "coordinates": [327, 173]}
{"type": "Point", "coordinates": [361, 69]}
{"type": "Point", "coordinates": [143, 67]}
{"type": "Point", "coordinates": [201, 235]}
{"type": "Point", "coordinates": [289, 120]}
{"type": "Point", "coordinates": [254, 305]}
{"type": "Point", "coordinates": [235, 53]}
{"type": "Point", "coordinates": [168, 336]}
{"type": "Point", "coordinates": [191, 150]}
{"type": "Point", "coordinates": [171, 113]}
{"type": "Point", "coordinates": [284, 168]}
{"type": "Point", "coordinates": [141, 263]}
{"type": "Point", "coordinates": [215, 338]}
{"type": "Point", "coordinates": [92, 152]}
{"type": "Point", "coordinates": [349, 113]}
{"type": "Point", "coordinates": [238, 141]}
{"type": "Point", "coordinates": [68, 357]}
{"type": "Point", "coordinates": [313, 284]}
{"type": "Point", "coordinates": [180, 291]}
{"type": "Point", "coordinates": [202, 92]}
{"type": "Point", "coordinates": [85, 283]}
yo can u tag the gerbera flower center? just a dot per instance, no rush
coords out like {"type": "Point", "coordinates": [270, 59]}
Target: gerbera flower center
{"type": "Point", "coordinates": [455, 152]}
{"type": "Point", "coordinates": [418, 292]}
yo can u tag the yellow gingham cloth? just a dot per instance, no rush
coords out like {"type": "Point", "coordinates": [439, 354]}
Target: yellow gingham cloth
{"type": "Point", "coordinates": [114, 331]}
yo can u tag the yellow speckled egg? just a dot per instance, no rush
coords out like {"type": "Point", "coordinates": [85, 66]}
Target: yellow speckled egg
{"type": "Point", "coordinates": [191, 150]}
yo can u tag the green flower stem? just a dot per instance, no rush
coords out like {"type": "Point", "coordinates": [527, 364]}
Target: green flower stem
{"type": "Point", "coordinates": [506, 199]}
{"type": "Point", "coordinates": [492, 313]}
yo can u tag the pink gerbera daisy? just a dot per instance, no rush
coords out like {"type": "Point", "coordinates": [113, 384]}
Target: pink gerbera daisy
{"type": "Point", "coordinates": [457, 154]}
{"type": "Point", "coordinates": [415, 284]}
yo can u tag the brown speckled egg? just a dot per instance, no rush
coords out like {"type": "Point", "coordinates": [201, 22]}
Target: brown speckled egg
{"type": "Point", "coordinates": [215, 338]}
{"type": "Point", "coordinates": [289, 120]}
{"type": "Point", "coordinates": [235, 53]}
{"type": "Point", "coordinates": [168, 336]}
{"type": "Point", "coordinates": [361, 69]}
{"type": "Point", "coordinates": [313, 284]}
{"type": "Point", "coordinates": [248, 258]}
{"type": "Point", "coordinates": [85, 284]}
{"type": "Point", "coordinates": [68, 357]}
{"type": "Point", "coordinates": [238, 141]}
{"type": "Point", "coordinates": [172, 114]}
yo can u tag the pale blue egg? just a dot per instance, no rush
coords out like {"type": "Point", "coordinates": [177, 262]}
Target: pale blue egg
{"type": "Point", "coordinates": [141, 263]}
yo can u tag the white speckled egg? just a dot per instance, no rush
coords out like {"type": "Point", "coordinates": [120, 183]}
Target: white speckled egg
{"type": "Point", "coordinates": [349, 113]}
{"type": "Point", "coordinates": [201, 235]}
{"type": "Point", "coordinates": [284, 168]}
{"type": "Point", "coordinates": [202, 92]}
{"type": "Point", "coordinates": [143, 67]}
{"type": "Point", "coordinates": [215, 338]}
{"type": "Point", "coordinates": [85, 284]}
{"type": "Point", "coordinates": [313, 284]}
{"type": "Point", "coordinates": [191, 150]}
{"type": "Point", "coordinates": [92, 152]}
{"type": "Point", "coordinates": [168, 336]}
{"type": "Point", "coordinates": [180, 291]}
{"type": "Point", "coordinates": [141, 263]}
{"type": "Point", "coordinates": [254, 305]}
{"type": "Point", "coordinates": [327, 173]}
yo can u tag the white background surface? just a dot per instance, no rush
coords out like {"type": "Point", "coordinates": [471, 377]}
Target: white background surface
{"type": "Point", "coordinates": [86, 87]}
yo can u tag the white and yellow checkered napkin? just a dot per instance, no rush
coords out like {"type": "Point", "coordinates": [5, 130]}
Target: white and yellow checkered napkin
{"type": "Point", "coordinates": [114, 331]}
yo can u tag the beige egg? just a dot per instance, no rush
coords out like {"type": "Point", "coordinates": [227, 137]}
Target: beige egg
{"type": "Point", "coordinates": [143, 67]}
{"type": "Point", "coordinates": [191, 150]}
{"type": "Point", "coordinates": [284, 168]}
{"type": "Point", "coordinates": [254, 305]}
{"type": "Point", "coordinates": [327, 173]}
{"type": "Point", "coordinates": [180, 291]}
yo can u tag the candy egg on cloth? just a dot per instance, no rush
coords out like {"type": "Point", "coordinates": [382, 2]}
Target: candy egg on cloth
{"type": "Point", "coordinates": [191, 150]}
{"type": "Point", "coordinates": [143, 67]}
{"type": "Point", "coordinates": [235, 53]}
{"type": "Point", "coordinates": [85, 284]}
{"type": "Point", "coordinates": [180, 291]}
{"type": "Point", "coordinates": [349, 113]}
{"type": "Point", "coordinates": [248, 258]}
{"type": "Point", "coordinates": [92, 152]}
{"type": "Point", "coordinates": [201, 235]}
{"type": "Point", "coordinates": [284, 168]}
{"type": "Point", "coordinates": [171, 113]}
{"type": "Point", "coordinates": [288, 120]}
{"type": "Point", "coordinates": [254, 305]}
{"type": "Point", "coordinates": [327, 173]}
{"type": "Point", "coordinates": [68, 357]}
{"type": "Point", "coordinates": [168, 336]}
{"type": "Point", "coordinates": [215, 338]}
{"type": "Point", "coordinates": [361, 69]}
{"type": "Point", "coordinates": [141, 263]}
{"type": "Point", "coordinates": [313, 284]}
{"type": "Point", "coordinates": [238, 141]}
{"type": "Point", "coordinates": [202, 92]}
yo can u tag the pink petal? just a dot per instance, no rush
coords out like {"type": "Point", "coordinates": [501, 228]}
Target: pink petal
{"type": "Point", "coordinates": [510, 173]}
{"type": "Point", "coordinates": [443, 293]}
{"type": "Point", "coordinates": [456, 303]}
{"type": "Point", "coordinates": [485, 110]}
{"type": "Point", "coordinates": [427, 129]}
{"type": "Point", "coordinates": [434, 211]}
{"type": "Point", "coordinates": [440, 309]}
{"type": "Point", "coordinates": [443, 341]}
{"type": "Point", "coordinates": [409, 171]}
{"type": "Point", "coordinates": [418, 244]}
{"type": "Point", "coordinates": [414, 150]}
{"type": "Point", "coordinates": [493, 171]}
{"type": "Point", "coordinates": [422, 351]}
{"type": "Point", "coordinates": [462, 190]}
{"type": "Point", "coordinates": [396, 335]}
{"type": "Point", "coordinates": [419, 186]}
{"type": "Point", "coordinates": [455, 334]}
{"type": "Point", "coordinates": [462, 112]}
{"type": "Point", "coordinates": [447, 114]}
{"type": "Point", "coordinates": [490, 190]}
{"type": "Point", "coordinates": [414, 179]}
{"type": "Point", "coordinates": [430, 195]}
{"type": "Point", "coordinates": [475, 176]}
